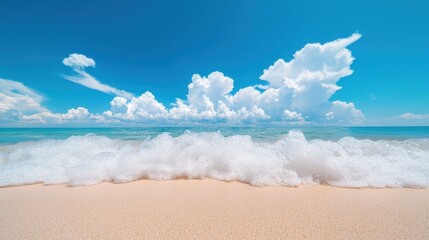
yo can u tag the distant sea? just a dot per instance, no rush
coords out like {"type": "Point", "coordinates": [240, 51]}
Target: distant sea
{"type": "Point", "coordinates": [261, 156]}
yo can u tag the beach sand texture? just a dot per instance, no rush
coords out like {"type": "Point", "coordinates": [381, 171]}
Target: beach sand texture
{"type": "Point", "coordinates": [209, 209]}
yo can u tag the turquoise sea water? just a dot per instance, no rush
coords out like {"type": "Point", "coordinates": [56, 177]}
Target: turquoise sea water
{"type": "Point", "coordinates": [338, 156]}
{"type": "Point", "coordinates": [14, 135]}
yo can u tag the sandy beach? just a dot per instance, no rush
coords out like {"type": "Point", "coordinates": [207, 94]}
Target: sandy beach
{"type": "Point", "coordinates": [208, 209]}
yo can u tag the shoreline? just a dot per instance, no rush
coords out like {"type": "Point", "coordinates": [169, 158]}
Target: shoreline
{"type": "Point", "coordinates": [211, 209]}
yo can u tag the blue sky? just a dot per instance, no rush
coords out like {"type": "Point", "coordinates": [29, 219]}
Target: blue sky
{"type": "Point", "coordinates": [157, 46]}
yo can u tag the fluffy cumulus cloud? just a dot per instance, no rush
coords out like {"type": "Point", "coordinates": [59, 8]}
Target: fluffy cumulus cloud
{"type": "Point", "coordinates": [208, 99]}
{"type": "Point", "coordinates": [79, 113]}
{"type": "Point", "coordinates": [298, 91]}
{"type": "Point", "coordinates": [78, 63]}
{"type": "Point", "coordinates": [137, 108]}
{"type": "Point", "coordinates": [295, 92]}
{"type": "Point", "coordinates": [308, 81]}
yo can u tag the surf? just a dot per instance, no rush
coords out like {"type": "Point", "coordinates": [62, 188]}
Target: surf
{"type": "Point", "coordinates": [290, 160]}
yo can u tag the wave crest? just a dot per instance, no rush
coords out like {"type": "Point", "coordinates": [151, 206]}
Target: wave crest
{"type": "Point", "coordinates": [290, 161]}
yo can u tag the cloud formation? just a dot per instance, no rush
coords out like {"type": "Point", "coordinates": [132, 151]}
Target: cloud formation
{"type": "Point", "coordinates": [294, 92]}
{"type": "Point", "coordinates": [408, 119]}
{"type": "Point", "coordinates": [72, 114]}
{"type": "Point", "coordinates": [16, 99]}
{"type": "Point", "coordinates": [409, 116]}
{"type": "Point", "coordinates": [78, 63]}
{"type": "Point", "coordinates": [20, 103]}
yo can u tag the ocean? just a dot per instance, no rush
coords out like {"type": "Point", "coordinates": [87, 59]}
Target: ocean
{"type": "Point", "coordinates": [261, 156]}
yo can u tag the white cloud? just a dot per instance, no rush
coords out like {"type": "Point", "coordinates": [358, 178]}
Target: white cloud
{"type": "Point", "coordinates": [17, 99]}
{"type": "Point", "coordinates": [409, 116]}
{"type": "Point", "coordinates": [19, 103]}
{"type": "Point", "coordinates": [208, 98]}
{"type": "Point", "coordinates": [312, 75]}
{"type": "Point", "coordinates": [342, 112]}
{"type": "Point", "coordinates": [296, 92]}
{"type": "Point", "coordinates": [73, 114]}
{"type": "Point", "coordinates": [78, 62]}
{"type": "Point", "coordinates": [245, 98]}
{"type": "Point", "coordinates": [293, 116]}
{"type": "Point", "coordinates": [143, 107]}
{"type": "Point", "coordinates": [406, 119]}
{"type": "Point", "coordinates": [205, 93]}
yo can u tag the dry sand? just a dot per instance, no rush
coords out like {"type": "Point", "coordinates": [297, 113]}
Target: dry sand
{"type": "Point", "coordinates": [208, 209]}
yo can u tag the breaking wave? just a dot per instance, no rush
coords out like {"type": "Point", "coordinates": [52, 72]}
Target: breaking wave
{"type": "Point", "coordinates": [289, 161]}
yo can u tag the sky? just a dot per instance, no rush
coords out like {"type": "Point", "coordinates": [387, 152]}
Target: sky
{"type": "Point", "coordinates": [120, 63]}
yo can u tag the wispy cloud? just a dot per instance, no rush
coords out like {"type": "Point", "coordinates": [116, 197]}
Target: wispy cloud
{"type": "Point", "coordinates": [409, 116]}
{"type": "Point", "coordinates": [17, 99]}
{"type": "Point", "coordinates": [78, 63]}
{"type": "Point", "coordinates": [21, 104]}
{"type": "Point", "coordinates": [405, 119]}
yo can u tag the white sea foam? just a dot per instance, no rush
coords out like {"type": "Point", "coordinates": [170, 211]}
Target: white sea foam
{"type": "Point", "coordinates": [290, 161]}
